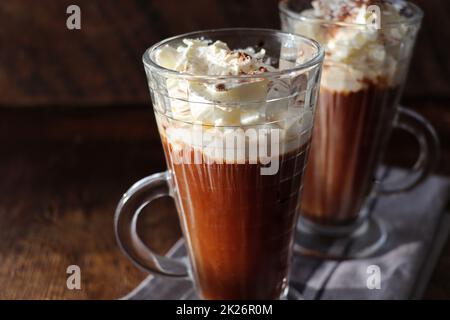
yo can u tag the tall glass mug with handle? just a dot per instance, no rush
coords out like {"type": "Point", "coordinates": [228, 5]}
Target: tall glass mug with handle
{"type": "Point", "coordinates": [368, 46]}
{"type": "Point", "coordinates": [234, 108]}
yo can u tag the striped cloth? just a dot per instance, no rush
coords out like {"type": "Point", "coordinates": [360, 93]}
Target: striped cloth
{"type": "Point", "coordinates": [417, 227]}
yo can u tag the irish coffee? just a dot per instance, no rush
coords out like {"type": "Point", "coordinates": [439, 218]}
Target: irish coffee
{"type": "Point", "coordinates": [240, 222]}
{"type": "Point", "coordinates": [236, 149]}
{"type": "Point", "coordinates": [368, 46]}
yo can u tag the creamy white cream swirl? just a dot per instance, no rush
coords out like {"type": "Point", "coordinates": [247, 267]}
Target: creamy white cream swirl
{"type": "Point", "coordinates": [219, 107]}
{"type": "Point", "coordinates": [356, 52]}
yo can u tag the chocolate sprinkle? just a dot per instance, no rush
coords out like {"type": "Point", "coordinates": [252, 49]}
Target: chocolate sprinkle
{"type": "Point", "coordinates": [243, 56]}
{"type": "Point", "coordinates": [220, 87]}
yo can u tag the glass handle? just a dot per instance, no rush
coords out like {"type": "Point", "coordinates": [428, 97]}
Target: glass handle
{"type": "Point", "coordinates": [428, 159]}
{"type": "Point", "coordinates": [125, 223]}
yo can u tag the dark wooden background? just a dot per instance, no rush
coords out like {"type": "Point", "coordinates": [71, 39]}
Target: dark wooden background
{"type": "Point", "coordinates": [76, 130]}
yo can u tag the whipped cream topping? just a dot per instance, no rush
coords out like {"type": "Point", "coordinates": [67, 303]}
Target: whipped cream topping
{"type": "Point", "coordinates": [228, 103]}
{"type": "Point", "coordinates": [359, 54]}
{"type": "Point", "coordinates": [201, 57]}
{"type": "Point", "coordinates": [218, 107]}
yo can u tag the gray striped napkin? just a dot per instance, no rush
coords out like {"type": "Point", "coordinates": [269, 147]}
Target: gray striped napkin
{"type": "Point", "coordinates": [417, 227]}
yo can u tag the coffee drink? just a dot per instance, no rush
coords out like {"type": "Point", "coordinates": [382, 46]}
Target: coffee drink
{"type": "Point", "coordinates": [236, 150]}
{"type": "Point", "coordinates": [365, 66]}
{"type": "Point", "coordinates": [345, 153]}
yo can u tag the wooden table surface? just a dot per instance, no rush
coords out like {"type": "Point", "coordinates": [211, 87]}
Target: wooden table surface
{"type": "Point", "coordinates": [77, 129]}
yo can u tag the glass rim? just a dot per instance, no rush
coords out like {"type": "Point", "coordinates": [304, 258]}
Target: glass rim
{"type": "Point", "coordinates": [314, 61]}
{"type": "Point", "coordinates": [414, 19]}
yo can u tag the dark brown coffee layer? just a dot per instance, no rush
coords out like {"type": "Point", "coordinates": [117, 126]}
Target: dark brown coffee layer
{"type": "Point", "coordinates": [239, 224]}
{"type": "Point", "coordinates": [350, 130]}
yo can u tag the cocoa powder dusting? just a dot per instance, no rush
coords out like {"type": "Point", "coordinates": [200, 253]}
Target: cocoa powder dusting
{"type": "Point", "coordinates": [220, 87]}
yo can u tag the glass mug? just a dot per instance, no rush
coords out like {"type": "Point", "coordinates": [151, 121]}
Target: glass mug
{"type": "Point", "coordinates": [238, 216]}
{"type": "Point", "coordinates": [356, 112]}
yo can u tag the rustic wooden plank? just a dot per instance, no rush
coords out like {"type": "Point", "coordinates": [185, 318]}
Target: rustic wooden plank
{"type": "Point", "coordinates": [63, 172]}
{"type": "Point", "coordinates": [64, 168]}
{"type": "Point", "coordinates": [57, 200]}
{"type": "Point", "coordinates": [42, 63]}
